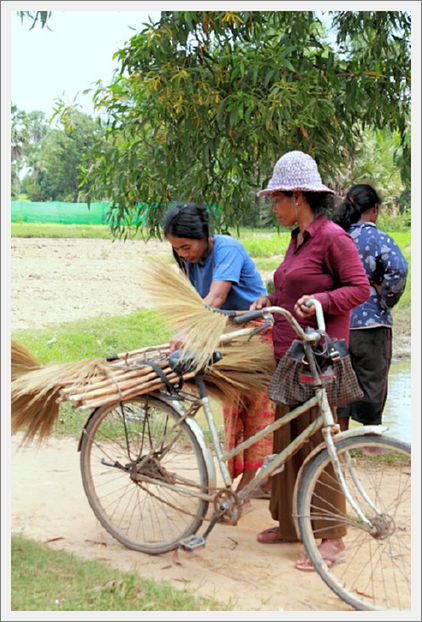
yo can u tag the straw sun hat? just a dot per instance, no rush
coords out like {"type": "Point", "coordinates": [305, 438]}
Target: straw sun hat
{"type": "Point", "coordinates": [295, 170]}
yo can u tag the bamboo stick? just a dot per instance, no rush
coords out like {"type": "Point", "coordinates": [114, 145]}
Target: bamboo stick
{"type": "Point", "coordinates": [113, 390]}
{"type": "Point", "coordinates": [115, 376]}
{"type": "Point", "coordinates": [119, 386]}
{"type": "Point", "coordinates": [164, 346]}
{"type": "Point", "coordinates": [153, 386]}
{"type": "Point", "coordinates": [127, 379]}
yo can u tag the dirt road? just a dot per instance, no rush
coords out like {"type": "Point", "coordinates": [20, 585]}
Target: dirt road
{"type": "Point", "coordinates": [49, 505]}
{"type": "Point", "coordinates": [62, 280]}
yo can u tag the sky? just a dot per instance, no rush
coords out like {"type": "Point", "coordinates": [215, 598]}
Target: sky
{"type": "Point", "coordinates": [69, 58]}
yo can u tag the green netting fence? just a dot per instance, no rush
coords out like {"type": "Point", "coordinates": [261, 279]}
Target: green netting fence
{"type": "Point", "coordinates": [59, 212]}
{"type": "Point", "coordinates": [76, 213]}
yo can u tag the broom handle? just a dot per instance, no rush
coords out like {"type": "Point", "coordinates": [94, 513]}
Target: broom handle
{"type": "Point", "coordinates": [103, 383]}
{"type": "Point", "coordinates": [164, 347]}
{"type": "Point", "coordinates": [115, 375]}
{"type": "Point", "coordinates": [105, 390]}
{"type": "Point", "coordinates": [236, 333]}
{"type": "Point", "coordinates": [128, 394]}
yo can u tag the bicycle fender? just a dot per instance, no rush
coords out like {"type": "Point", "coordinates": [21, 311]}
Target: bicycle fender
{"type": "Point", "coordinates": [209, 462]}
{"type": "Point", "coordinates": [366, 429]}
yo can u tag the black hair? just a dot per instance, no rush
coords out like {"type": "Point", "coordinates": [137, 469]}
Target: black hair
{"type": "Point", "coordinates": [186, 220]}
{"type": "Point", "coordinates": [319, 202]}
{"type": "Point", "coordinates": [358, 200]}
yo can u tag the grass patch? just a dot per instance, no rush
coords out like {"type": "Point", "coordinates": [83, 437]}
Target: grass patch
{"type": "Point", "coordinates": [46, 580]}
{"type": "Point", "coordinates": [50, 230]}
{"type": "Point", "coordinates": [390, 458]}
{"type": "Point", "coordinates": [403, 241]}
{"type": "Point", "coordinates": [53, 230]}
{"type": "Point", "coordinates": [259, 245]}
{"type": "Point", "coordinates": [92, 338]}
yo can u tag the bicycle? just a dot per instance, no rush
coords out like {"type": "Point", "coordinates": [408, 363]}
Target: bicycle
{"type": "Point", "coordinates": [148, 457]}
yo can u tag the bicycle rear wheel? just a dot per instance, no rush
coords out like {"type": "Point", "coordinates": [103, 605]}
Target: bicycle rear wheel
{"type": "Point", "coordinates": [142, 471]}
{"type": "Point", "coordinates": [376, 572]}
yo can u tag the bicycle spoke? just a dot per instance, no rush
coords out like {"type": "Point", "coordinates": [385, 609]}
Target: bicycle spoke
{"type": "Point", "coordinates": [143, 471]}
{"type": "Point", "coordinates": [376, 571]}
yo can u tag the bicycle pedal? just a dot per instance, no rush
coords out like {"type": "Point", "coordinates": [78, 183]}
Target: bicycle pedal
{"type": "Point", "coordinates": [192, 542]}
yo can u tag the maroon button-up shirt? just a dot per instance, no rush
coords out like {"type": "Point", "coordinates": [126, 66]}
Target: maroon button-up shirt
{"type": "Point", "coordinates": [326, 266]}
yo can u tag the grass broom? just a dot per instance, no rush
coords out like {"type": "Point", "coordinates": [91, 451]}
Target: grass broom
{"type": "Point", "coordinates": [172, 294]}
{"type": "Point", "coordinates": [22, 360]}
{"type": "Point", "coordinates": [35, 394]}
{"type": "Point", "coordinates": [245, 370]}
{"type": "Point", "coordinates": [246, 367]}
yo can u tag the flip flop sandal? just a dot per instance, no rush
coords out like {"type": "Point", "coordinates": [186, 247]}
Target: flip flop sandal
{"type": "Point", "coordinates": [305, 564]}
{"type": "Point", "coordinates": [269, 536]}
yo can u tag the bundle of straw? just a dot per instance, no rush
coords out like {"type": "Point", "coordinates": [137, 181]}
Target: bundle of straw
{"type": "Point", "coordinates": [36, 394]}
{"type": "Point", "coordinates": [22, 360]}
{"type": "Point", "coordinates": [172, 294]}
{"type": "Point", "coordinates": [244, 371]}
{"type": "Point", "coordinates": [246, 367]}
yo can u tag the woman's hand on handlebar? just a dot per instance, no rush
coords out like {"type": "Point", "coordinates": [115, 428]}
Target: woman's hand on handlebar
{"type": "Point", "coordinates": [301, 309]}
{"type": "Point", "coordinates": [260, 303]}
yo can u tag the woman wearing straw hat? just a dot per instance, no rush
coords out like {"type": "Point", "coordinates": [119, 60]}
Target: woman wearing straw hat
{"type": "Point", "coordinates": [321, 262]}
{"type": "Point", "coordinates": [225, 276]}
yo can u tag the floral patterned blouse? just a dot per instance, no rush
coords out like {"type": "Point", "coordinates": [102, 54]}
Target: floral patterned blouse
{"type": "Point", "coordinates": [384, 264]}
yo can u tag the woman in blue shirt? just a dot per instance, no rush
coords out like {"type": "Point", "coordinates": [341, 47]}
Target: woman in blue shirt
{"type": "Point", "coordinates": [371, 322]}
{"type": "Point", "coordinates": [225, 276]}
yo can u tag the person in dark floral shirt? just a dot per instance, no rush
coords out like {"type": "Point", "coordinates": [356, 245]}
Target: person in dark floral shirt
{"type": "Point", "coordinates": [371, 322]}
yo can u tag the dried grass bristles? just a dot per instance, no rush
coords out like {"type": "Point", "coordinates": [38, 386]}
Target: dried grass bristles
{"type": "Point", "coordinates": [171, 293]}
{"type": "Point", "coordinates": [22, 360]}
{"type": "Point", "coordinates": [244, 371]}
{"type": "Point", "coordinates": [36, 394]}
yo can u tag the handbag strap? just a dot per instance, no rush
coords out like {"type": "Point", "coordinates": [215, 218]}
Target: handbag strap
{"type": "Point", "coordinates": [332, 346]}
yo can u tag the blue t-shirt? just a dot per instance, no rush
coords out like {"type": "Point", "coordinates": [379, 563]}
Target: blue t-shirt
{"type": "Point", "coordinates": [228, 261]}
{"type": "Point", "coordinates": [378, 253]}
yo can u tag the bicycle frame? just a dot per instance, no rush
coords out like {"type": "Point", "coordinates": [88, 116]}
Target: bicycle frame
{"type": "Point", "coordinates": [324, 421]}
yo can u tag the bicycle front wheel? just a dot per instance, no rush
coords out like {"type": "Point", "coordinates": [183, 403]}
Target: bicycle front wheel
{"type": "Point", "coordinates": [376, 571]}
{"type": "Point", "coordinates": [143, 472]}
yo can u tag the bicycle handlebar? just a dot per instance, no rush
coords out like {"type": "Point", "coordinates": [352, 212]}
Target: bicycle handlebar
{"type": "Point", "coordinates": [261, 313]}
